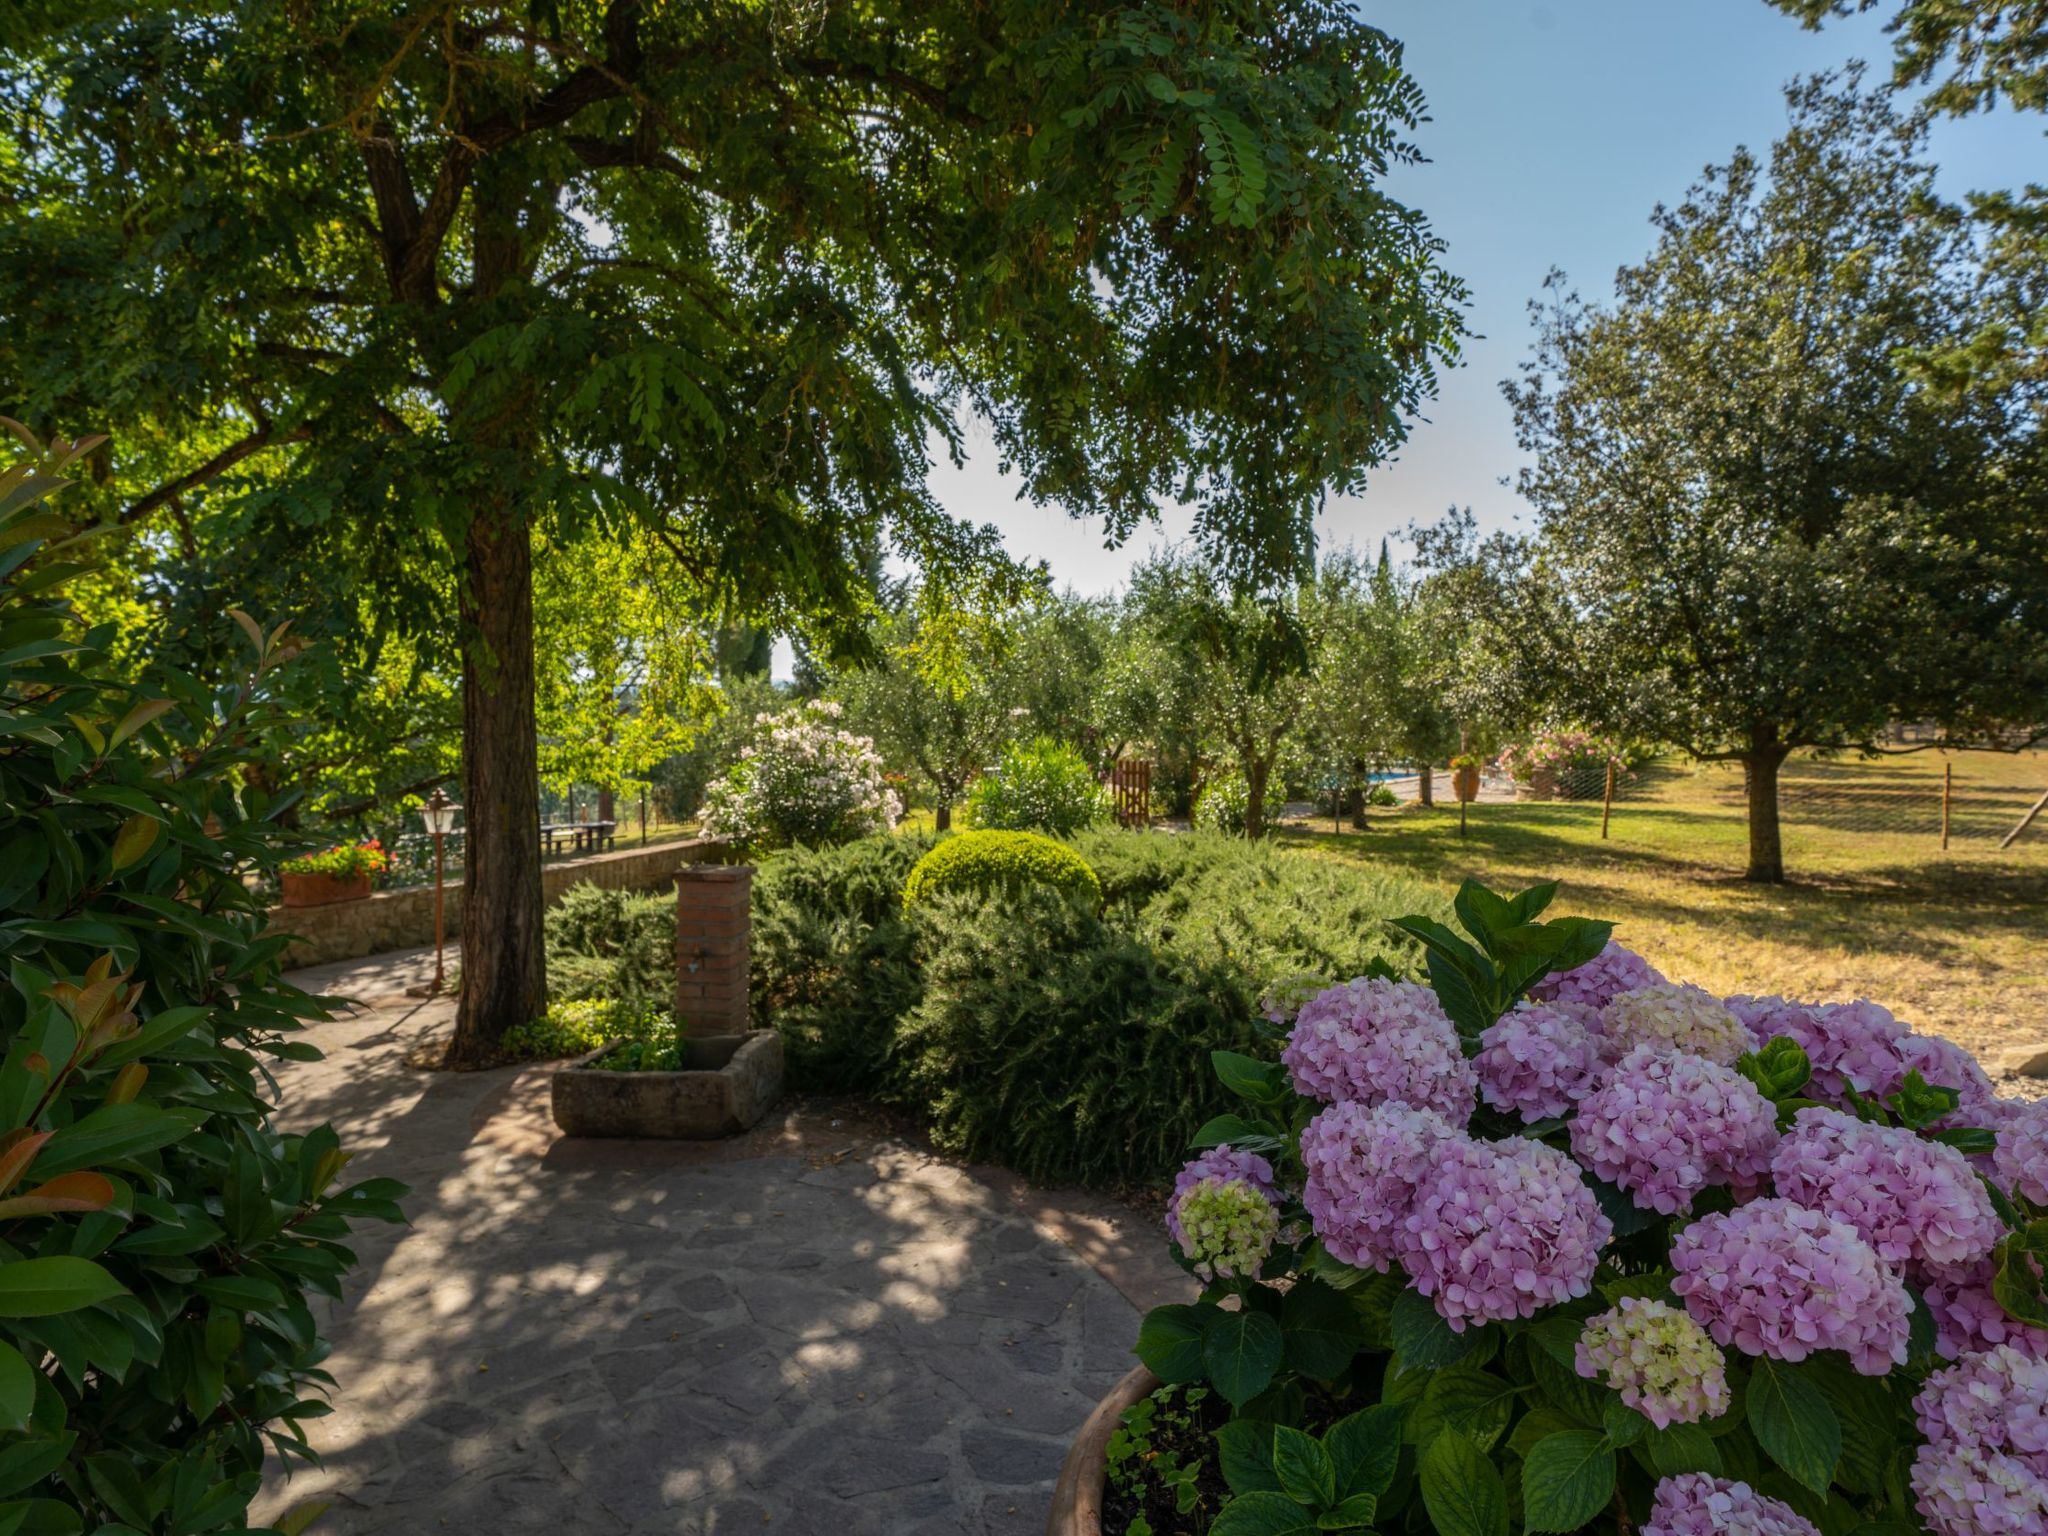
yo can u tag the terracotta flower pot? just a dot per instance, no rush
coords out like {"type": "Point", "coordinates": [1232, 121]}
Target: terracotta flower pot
{"type": "Point", "coordinates": [1466, 782]}
{"type": "Point", "coordinates": [1077, 1497]}
{"type": "Point", "coordinates": [323, 890]}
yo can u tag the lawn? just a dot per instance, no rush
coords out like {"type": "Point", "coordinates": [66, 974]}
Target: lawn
{"type": "Point", "coordinates": [1955, 942]}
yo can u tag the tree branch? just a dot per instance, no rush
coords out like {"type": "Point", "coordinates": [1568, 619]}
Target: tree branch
{"type": "Point", "coordinates": [263, 437]}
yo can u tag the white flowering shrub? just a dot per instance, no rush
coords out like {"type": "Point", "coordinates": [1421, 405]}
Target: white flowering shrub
{"type": "Point", "coordinates": [803, 781]}
{"type": "Point", "coordinates": [1551, 1244]}
{"type": "Point", "coordinates": [1038, 786]}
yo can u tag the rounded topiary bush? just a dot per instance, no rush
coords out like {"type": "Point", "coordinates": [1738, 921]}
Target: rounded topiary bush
{"type": "Point", "coordinates": [992, 862]}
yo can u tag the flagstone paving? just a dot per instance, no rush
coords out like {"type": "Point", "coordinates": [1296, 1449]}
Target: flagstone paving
{"type": "Point", "coordinates": [815, 1328]}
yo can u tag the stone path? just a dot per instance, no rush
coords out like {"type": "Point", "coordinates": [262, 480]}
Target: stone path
{"type": "Point", "coordinates": [815, 1328]}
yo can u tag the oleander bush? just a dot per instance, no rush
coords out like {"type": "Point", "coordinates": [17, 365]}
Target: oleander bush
{"type": "Point", "coordinates": [1552, 1244]}
{"type": "Point", "coordinates": [1001, 863]}
{"type": "Point", "coordinates": [159, 1238]}
{"type": "Point", "coordinates": [802, 781]}
{"type": "Point", "coordinates": [1038, 786]}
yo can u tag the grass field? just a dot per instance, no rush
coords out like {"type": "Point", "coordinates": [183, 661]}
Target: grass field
{"type": "Point", "coordinates": [1955, 942]}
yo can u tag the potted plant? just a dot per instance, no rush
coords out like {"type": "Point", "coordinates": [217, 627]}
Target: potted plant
{"type": "Point", "coordinates": [340, 873]}
{"type": "Point", "coordinates": [1553, 1245]}
{"type": "Point", "coordinates": [1465, 777]}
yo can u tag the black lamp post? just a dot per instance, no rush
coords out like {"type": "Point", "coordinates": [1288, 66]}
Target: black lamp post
{"type": "Point", "coordinates": [439, 814]}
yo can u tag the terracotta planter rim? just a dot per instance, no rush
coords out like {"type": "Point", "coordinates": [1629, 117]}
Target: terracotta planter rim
{"type": "Point", "coordinates": [1077, 1497]}
{"type": "Point", "coordinates": [312, 889]}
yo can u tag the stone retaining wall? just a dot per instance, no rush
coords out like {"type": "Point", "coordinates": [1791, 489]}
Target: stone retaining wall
{"type": "Point", "coordinates": [349, 930]}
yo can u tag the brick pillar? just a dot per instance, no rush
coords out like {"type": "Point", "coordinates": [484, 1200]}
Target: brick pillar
{"type": "Point", "coordinates": [713, 923]}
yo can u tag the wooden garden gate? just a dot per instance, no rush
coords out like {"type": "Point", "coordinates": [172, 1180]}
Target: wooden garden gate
{"type": "Point", "coordinates": [1130, 788]}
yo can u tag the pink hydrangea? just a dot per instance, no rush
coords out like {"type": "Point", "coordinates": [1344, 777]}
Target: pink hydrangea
{"type": "Point", "coordinates": [1536, 1062]}
{"type": "Point", "coordinates": [1984, 1467]}
{"type": "Point", "coordinates": [1912, 1200]}
{"type": "Point", "coordinates": [1599, 981]}
{"type": "Point", "coordinates": [1363, 1165]}
{"type": "Point", "coordinates": [1372, 1041]}
{"type": "Point", "coordinates": [1215, 1167]}
{"type": "Point", "coordinates": [1695, 1504]}
{"type": "Point", "coordinates": [1774, 1278]}
{"type": "Point", "coordinates": [2020, 1160]}
{"type": "Point", "coordinates": [1501, 1229]}
{"type": "Point", "coordinates": [1947, 1065]}
{"type": "Point", "coordinates": [1664, 1126]}
{"type": "Point", "coordinates": [1858, 1044]}
{"type": "Point", "coordinates": [1967, 1317]}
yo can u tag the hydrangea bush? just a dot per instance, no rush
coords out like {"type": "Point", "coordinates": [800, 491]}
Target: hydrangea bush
{"type": "Point", "coordinates": [803, 781]}
{"type": "Point", "coordinates": [1552, 1244]}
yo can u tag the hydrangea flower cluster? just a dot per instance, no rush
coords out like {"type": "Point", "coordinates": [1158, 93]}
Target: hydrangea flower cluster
{"type": "Point", "coordinates": [1372, 1041]}
{"type": "Point", "coordinates": [1223, 1215]}
{"type": "Point", "coordinates": [1695, 1504]}
{"type": "Point", "coordinates": [1773, 1278]}
{"type": "Point", "coordinates": [1984, 1468]}
{"type": "Point", "coordinates": [1911, 1199]}
{"type": "Point", "coordinates": [1664, 1126]}
{"type": "Point", "coordinates": [803, 780]}
{"type": "Point", "coordinates": [1599, 981]}
{"type": "Point", "coordinates": [1363, 1166]}
{"type": "Point", "coordinates": [1967, 1317]}
{"type": "Point", "coordinates": [2020, 1160]}
{"type": "Point", "coordinates": [1858, 1044]}
{"type": "Point", "coordinates": [1281, 1001]}
{"type": "Point", "coordinates": [1659, 1360]}
{"type": "Point", "coordinates": [1501, 1229]}
{"type": "Point", "coordinates": [1674, 1018]}
{"type": "Point", "coordinates": [1536, 1062]}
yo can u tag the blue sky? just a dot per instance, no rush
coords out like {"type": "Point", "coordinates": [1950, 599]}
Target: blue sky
{"type": "Point", "coordinates": [1556, 128]}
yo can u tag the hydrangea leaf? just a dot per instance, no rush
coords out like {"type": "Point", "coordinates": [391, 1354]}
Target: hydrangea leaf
{"type": "Point", "coordinates": [1242, 1351]}
{"type": "Point", "coordinates": [1462, 1489]}
{"type": "Point", "coordinates": [1566, 1479]}
{"type": "Point", "coordinates": [1794, 1423]}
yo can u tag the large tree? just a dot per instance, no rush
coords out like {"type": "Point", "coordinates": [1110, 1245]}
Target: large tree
{"type": "Point", "coordinates": [429, 275]}
{"type": "Point", "coordinates": [1776, 519]}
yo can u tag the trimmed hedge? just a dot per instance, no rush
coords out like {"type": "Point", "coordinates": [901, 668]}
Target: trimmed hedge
{"type": "Point", "coordinates": [988, 863]}
{"type": "Point", "coordinates": [1025, 1028]}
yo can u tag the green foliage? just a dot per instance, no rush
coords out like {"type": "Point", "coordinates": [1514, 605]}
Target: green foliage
{"type": "Point", "coordinates": [682, 779]}
{"type": "Point", "coordinates": [1224, 805]}
{"type": "Point", "coordinates": [571, 1028]}
{"type": "Point", "coordinates": [161, 1239]}
{"type": "Point", "coordinates": [616, 947]}
{"type": "Point", "coordinates": [989, 863]}
{"type": "Point", "coordinates": [1161, 1454]}
{"type": "Point", "coordinates": [1509, 951]}
{"type": "Point", "coordinates": [1038, 786]}
{"type": "Point", "coordinates": [655, 1045]}
{"type": "Point", "coordinates": [834, 958]}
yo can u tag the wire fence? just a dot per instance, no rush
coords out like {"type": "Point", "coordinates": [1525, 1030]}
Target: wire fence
{"type": "Point", "coordinates": [1965, 799]}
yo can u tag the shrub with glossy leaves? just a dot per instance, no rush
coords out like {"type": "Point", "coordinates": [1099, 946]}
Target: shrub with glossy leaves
{"type": "Point", "coordinates": [158, 1238]}
{"type": "Point", "coordinates": [989, 863]}
{"type": "Point", "coordinates": [1038, 786]}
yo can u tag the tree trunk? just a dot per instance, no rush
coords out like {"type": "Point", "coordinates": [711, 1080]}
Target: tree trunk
{"type": "Point", "coordinates": [1257, 771]}
{"type": "Point", "coordinates": [504, 969]}
{"type": "Point", "coordinates": [1766, 849]}
{"type": "Point", "coordinates": [942, 815]}
{"type": "Point", "coordinates": [1425, 785]}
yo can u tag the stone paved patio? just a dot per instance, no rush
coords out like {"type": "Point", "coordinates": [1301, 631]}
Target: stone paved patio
{"type": "Point", "coordinates": [816, 1328]}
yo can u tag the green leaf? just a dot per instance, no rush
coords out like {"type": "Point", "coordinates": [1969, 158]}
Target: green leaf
{"type": "Point", "coordinates": [1263, 1514]}
{"type": "Point", "coordinates": [1482, 912]}
{"type": "Point", "coordinates": [1354, 1513]}
{"type": "Point", "coordinates": [1424, 1340]}
{"type": "Point", "coordinates": [113, 1132]}
{"type": "Point", "coordinates": [1678, 1449]}
{"type": "Point", "coordinates": [1244, 1454]}
{"type": "Point", "coordinates": [1170, 1341]}
{"type": "Point", "coordinates": [1306, 1473]}
{"type": "Point", "coordinates": [1794, 1423]}
{"type": "Point", "coordinates": [1321, 1333]}
{"type": "Point", "coordinates": [1462, 1489]}
{"type": "Point", "coordinates": [1567, 1479]}
{"type": "Point", "coordinates": [1242, 1351]}
{"type": "Point", "coordinates": [1365, 1448]}
{"type": "Point", "coordinates": [17, 1389]}
{"type": "Point", "coordinates": [133, 842]}
{"type": "Point", "coordinates": [1262, 1082]}
{"type": "Point", "coordinates": [1234, 1130]}
{"type": "Point", "coordinates": [46, 1287]}
{"type": "Point", "coordinates": [1472, 1402]}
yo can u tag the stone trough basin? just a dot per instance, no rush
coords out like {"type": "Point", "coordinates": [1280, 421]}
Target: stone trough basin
{"type": "Point", "coordinates": [728, 1083]}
